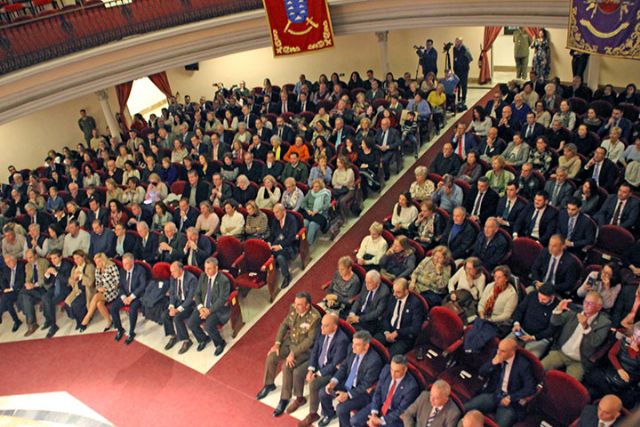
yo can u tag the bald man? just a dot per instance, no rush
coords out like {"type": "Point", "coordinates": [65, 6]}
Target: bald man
{"type": "Point", "coordinates": [510, 378]}
{"type": "Point", "coordinates": [472, 419]}
{"type": "Point", "coordinates": [605, 414]}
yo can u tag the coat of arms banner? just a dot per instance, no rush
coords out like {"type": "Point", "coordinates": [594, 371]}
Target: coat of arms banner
{"type": "Point", "coordinates": [298, 26]}
{"type": "Point", "coordinates": [605, 27]}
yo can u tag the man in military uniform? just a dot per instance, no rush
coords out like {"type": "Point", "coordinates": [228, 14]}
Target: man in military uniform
{"type": "Point", "coordinates": [521, 43]}
{"type": "Point", "coordinates": [293, 344]}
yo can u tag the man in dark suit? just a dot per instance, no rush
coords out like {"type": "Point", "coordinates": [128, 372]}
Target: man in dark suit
{"type": "Point", "coordinates": [102, 240]}
{"type": "Point", "coordinates": [34, 217]}
{"type": "Point", "coordinates": [531, 130]}
{"type": "Point", "coordinates": [284, 131]}
{"type": "Point", "coordinates": [463, 141]}
{"type": "Point", "coordinates": [395, 391]}
{"type": "Point", "coordinates": [607, 413]}
{"type": "Point", "coordinates": [446, 162]}
{"type": "Point", "coordinates": [508, 125]}
{"type": "Point", "coordinates": [581, 335]}
{"type": "Point", "coordinates": [601, 169]}
{"type": "Point", "coordinates": [126, 242]}
{"type": "Point", "coordinates": [197, 249]}
{"type": "Point", "coordinates": [196, 190]}
{"type": "Point", "coordinates": [556, 266]}
{"type": "Point", "coordinates": [350, 384]}
{"type": "Point", "coordinates": [368, 310]}
{"type": "Point", "coordinates": [57, 275]}
{"type": "Point", "coordinates": [220, 190]}
{"type": "Point", "coordinates": [402, 320]}
{"type": "Point", "coordinates": [510, 379]}
{"type": "Point", "coordinates": [559, 189]}
{"type": "Point", "coordinates": [537, 220]}
{"type": "Point", "coordinates": [247, 117]}
{"type": "Point", "coordinates": [459, 235]}
{"type": "Point", "coordinates": [133, 280]}
{"type": "Point", "coordinates": [495, 105]}
{"type": "Point", "coordinates": [387, 141]}
{"type": "Point", "coordinates": [185, 216]}
{"type": "Point", "coordinates": [339, 134]}
{"type": "Point", "coordinates": [528, 182]}
{"type": "Point", "coordinates": [329, 350]}
{"type": "Point", "coordinates": [97, 212]}
{"type": "Point", "coordinates": [263, 132]}
{"type": "Point", "coordinates": [490, 246]}
{"type": "Point", "coordinates": [210, 298]}
{"type": "Point", "coordinates": [509, 207]}
{"type": "Point", "coordinates": [218, 148]}
{"type": "Point", "coordinates": [283, 241]}
{"type": "Point", "coordinates": [576, 228]}
{"type": "Point", "coordinates": [12, 281]}
{"type": "Point", "coordinates": [137, 215]}
{"type": "Point", "coordinates": [171, 244]}
{"type": "Point", "coordinates": [481, 201]}
{"type": "Point", "coordinates": [182, 287]}
{"type": "Point", "coordinates": [617, 120]}
{"type": "Point", "coordinates": [304, 104]}
{"type": "Point", "coordinates": [619, 209]}
{"type": "Point", "coordinates": [272, 167]}
{"type": "Point", "coordinates": [258, 149]}
{"type": "Point", "coordinates": [286, 104]}
{"type": "Point", "coordinates": [252, 170]}
{"type": "Point", "coordinates": [148, 243]}
{"type": "Point", "coordinates": [434, 408]}
{"type": "Point", "coordinates": [428, 59]}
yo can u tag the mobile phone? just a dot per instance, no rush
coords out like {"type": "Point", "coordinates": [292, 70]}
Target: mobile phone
{"type": "Point", "coordinates": [519, 333]}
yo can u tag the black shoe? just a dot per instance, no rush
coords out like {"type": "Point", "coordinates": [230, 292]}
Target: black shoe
{"type": "Point", "coordinates": [52, 331]}
{"type": "Point", "coordinates": [220, 349]}
{"type": "Point", "coordinates": [82, 328]}
{"type": "Point", "coordinates": [185, 347]}
{"type": "Point", "coordinates": [119, 335]}
{"type": "Point", "coordinates": [16, 325]}
{"type": "Point", "coordinates": [171, 343]}
{"type": "Point", "coordinates": [282, 405]}
{"type": "Point", "coordinates": [202, 345]}
{"type": "Point", "coordinates": [285, 282]}
{"type": "Point", "coordinates": [46, 326]}
{"type": "Point", "coordinates": [265, 390]}
{"type": "Point", "coordinates": [324, 421]}
{"type": "Point", "coordinates": [108, 328]}
{"type": "Point", "coordinates": [129, 339]}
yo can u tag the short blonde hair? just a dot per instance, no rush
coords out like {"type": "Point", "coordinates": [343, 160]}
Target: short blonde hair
{"type": "Point", "coordinates": [376, 227]}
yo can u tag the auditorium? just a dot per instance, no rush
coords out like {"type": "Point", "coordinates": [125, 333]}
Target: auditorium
{"type": "Point", "coordinates": [332, 213]}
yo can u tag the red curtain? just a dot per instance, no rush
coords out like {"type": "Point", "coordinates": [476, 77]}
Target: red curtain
{"type": "Point", "coordinates": [532, 31]}
{"type": "Point", "coordinates": [490, 35]}
{"type": "Point", "coordinates": [123, 91]}
{"type": "Point", "coordinates": [162, 82]}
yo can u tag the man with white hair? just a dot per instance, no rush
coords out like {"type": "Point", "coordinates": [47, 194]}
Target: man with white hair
{"type": "Point", "coordinates": [368, 310]}
{"type": "Point", "coordinates": [433, 408]}
{"type": "Point", "coordinates": [461, 60]}
{"type": "Point", "coordinates": [171, 244]}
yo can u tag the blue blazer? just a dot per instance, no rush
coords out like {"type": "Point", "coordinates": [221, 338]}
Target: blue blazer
{"type": "Point", "coordinates": [470, 143]}
{"type": "Point", "coordinates": [201, 254]}
{"type": "Point", "coordinates": [514, 213]}
{"type": "Point", "coordinates": [393, 139]}
{"type": "Point", "coordinates": [189, 284]}
{"type": "Point", "coordinates": [411, 321]}
{"type": "Point", "coordinates": [138, 282]}
{"type": "Point", "coordinates": [406, 392]}
{"type": "Point", "coordinates": [521, 384]}
{"type": "Point", "coordinates": [547, 225]}
{"type": "Point", "coordinates": [462, 243]}
{"type": "Point", "coordinates": [286, 237]}
{"type": "Point", "coordinates": [567, 271]}
{"type": "Point", "coordinates": [629, 213]}
{"type": "Point", "coordinates": [335, 355]}
{"type": "Point", "coordinates": [149, 252]}
{"type": "Point", "coordinates": [367, 375]}
{"type": "Point", "coordinates": [624, 124]}
{"type": "Point", "coordinates": [190, 221]}
{"type": "Point", "coordinates": [490, 254]}
{"type": "Point", "coordinates": [584, 232]}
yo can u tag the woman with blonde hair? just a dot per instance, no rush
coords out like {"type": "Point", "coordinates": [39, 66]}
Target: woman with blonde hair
{"type": "Point", "coordinates": [498, 176]}
{"type": "Point", "coordinates": [82, 283]}
{"type": "Point", "coordinates": [268, 194]}
{"type": "Point", "coordinates": [107, 279]}
{"type": "Point", "coordinates": [372, 247]}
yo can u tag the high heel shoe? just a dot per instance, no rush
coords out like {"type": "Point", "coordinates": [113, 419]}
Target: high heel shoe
{"type": "Point", "coordinates": [108, 328]}
{"type": "Point", "coordinates": [82, 328]}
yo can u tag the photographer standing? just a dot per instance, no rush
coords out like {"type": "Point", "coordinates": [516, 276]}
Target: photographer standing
{"type": "Point", "coordinates": [428, 58]}
{"type": "Point", "coordinates": [461, 60]}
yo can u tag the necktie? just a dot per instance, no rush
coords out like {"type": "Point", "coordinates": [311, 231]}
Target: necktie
{"type": "Point", "coordinates": [476, 206]}
{"type": "Point", "coordinates": [180, 290]}
{"type": "Point", "coordinates": [353, 373]}
{"type": "Point", "coordinates": [207, 299]}
{"type": "Point", "coordinates": [304, 106]}
{"type": "Point", "coordinates": [556, 190]}
{"type": "Point", "coordinates": [529, 130]}
{"type": "Point", "coordinates": [280, 129]}
{"type": "Point", "coordinates": [387, 402]}
{"type": "Point", "coordinates": [35, 274]}
{"type": "Point", "coordinates": [532, 225]}
{"type": "Point", "coordinates": [461, 147]}
{"type": "Point", "coordinates": [432, 417]}
{"type": "Point", "coordinates": [384, 138]}
{"type": "Point", "coordinates": [551, 273]}
{"type": "Point", "coordinates": [12, 282]}
{"type": "Point", "coordinates": [323, 353]}
{"type": "Point", "coordinates": [596, 173]}
{"type": "Point", "coordinates": [503, 387]}
{"type": "Point", "coordinates": [507, 209]}
{"type": "Point", "coordinates": [615, 219]}
{"type": "Point", "coordinates": [128, 282]}
{"type": "Point", "coordinates": [572, 225]}
{"type": "Point", "coordinates": [366, 301]}
{"type": "Point", "coordinates": [396, 317]}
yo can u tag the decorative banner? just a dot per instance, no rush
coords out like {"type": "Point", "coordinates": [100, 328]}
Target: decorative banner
{"type": "Point", "coordinates": [298, 25]}
{"type": "Point", "coordinates": [606, 27]}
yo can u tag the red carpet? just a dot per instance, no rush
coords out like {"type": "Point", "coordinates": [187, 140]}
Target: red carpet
{"type": "Point", "coordinates": [134, 385]}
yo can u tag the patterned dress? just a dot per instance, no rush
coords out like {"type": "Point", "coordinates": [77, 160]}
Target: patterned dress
{"type": "Point", "coordinates": [542, 58]}
{"type": "Point", "coordinates": [108, 278]}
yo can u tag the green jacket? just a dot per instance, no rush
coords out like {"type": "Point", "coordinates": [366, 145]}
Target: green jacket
{"type": "Point", "coordinates": [522, 42]}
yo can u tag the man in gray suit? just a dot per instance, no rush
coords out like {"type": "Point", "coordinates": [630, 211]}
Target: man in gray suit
{"type": "Point", "coordinates": [433, 408]}
{"type": "Point", "coordinates": [368, 310]}
{"type": "Point", "coordinates": [182, 287]}
{"type": "Point", "coordinates": [211, 306]}
{"type": "Point", "coordinates": [582, 334]}
{"type": "Point", "coordinates": [171, 244]}
{"type": "Point", "coordinates": [559, 189]}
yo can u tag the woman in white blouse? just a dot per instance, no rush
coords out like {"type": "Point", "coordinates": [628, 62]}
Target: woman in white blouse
{"type": "Point", "coordinates": [499, 299]}
{"type": "Point", "coordinates": [372, 247]}
{"type": "Point", "coordinates": [207, 222]}
{"type": "Point", "coordinates": [268, 194]}
{"type": "Point", "coordinates": [615, 148]}
{"type": "Point", "coordinates": [404, 213]}
{"type": "Point", "coordinates": [232, 223]}
{"type": "Point", "coordinates": [421, 188]}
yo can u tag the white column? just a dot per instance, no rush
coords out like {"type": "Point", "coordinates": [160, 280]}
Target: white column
{"type": "Point", "coordinates": [383, 36]}
{"type": "Point", "coordinates": [593, 72]}
{"type": "Point", "coordinates": [114, 129]}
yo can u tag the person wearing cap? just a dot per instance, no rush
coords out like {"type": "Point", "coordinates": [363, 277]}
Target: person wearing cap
{"type": "Point", "coordinates": [531, 320]}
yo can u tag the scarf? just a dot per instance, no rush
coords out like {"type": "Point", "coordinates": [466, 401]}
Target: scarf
{"type": "Point", "coordinates": [488, 307]}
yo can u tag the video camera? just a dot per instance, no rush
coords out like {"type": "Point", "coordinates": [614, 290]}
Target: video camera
{"type": "Point", "coordinates": [447, 46]}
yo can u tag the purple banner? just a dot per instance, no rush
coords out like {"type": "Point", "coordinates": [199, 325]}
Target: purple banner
{"type": "Point", "coordinates": [605, 27]}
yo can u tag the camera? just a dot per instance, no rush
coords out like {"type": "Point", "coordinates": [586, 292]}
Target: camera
{"type": "Point", "coordinates": [447, 46]}
{"type": "Point", "coordinates": [418, 47]}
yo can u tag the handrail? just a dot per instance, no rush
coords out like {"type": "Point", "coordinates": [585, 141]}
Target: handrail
{"type": "Point", "coordinates": [53, 35]}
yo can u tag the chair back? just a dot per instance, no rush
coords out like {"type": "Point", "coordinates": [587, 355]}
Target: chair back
{"type": "Point", "coordinates": [161, 271]}
{"type": "Point", "coordinates": [256, 253]}
{"type": "Point", "coordinates": [444, 327]}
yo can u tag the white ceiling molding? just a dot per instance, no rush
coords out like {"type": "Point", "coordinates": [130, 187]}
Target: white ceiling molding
{"type": "Point", "coordinates": [59, 80]}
